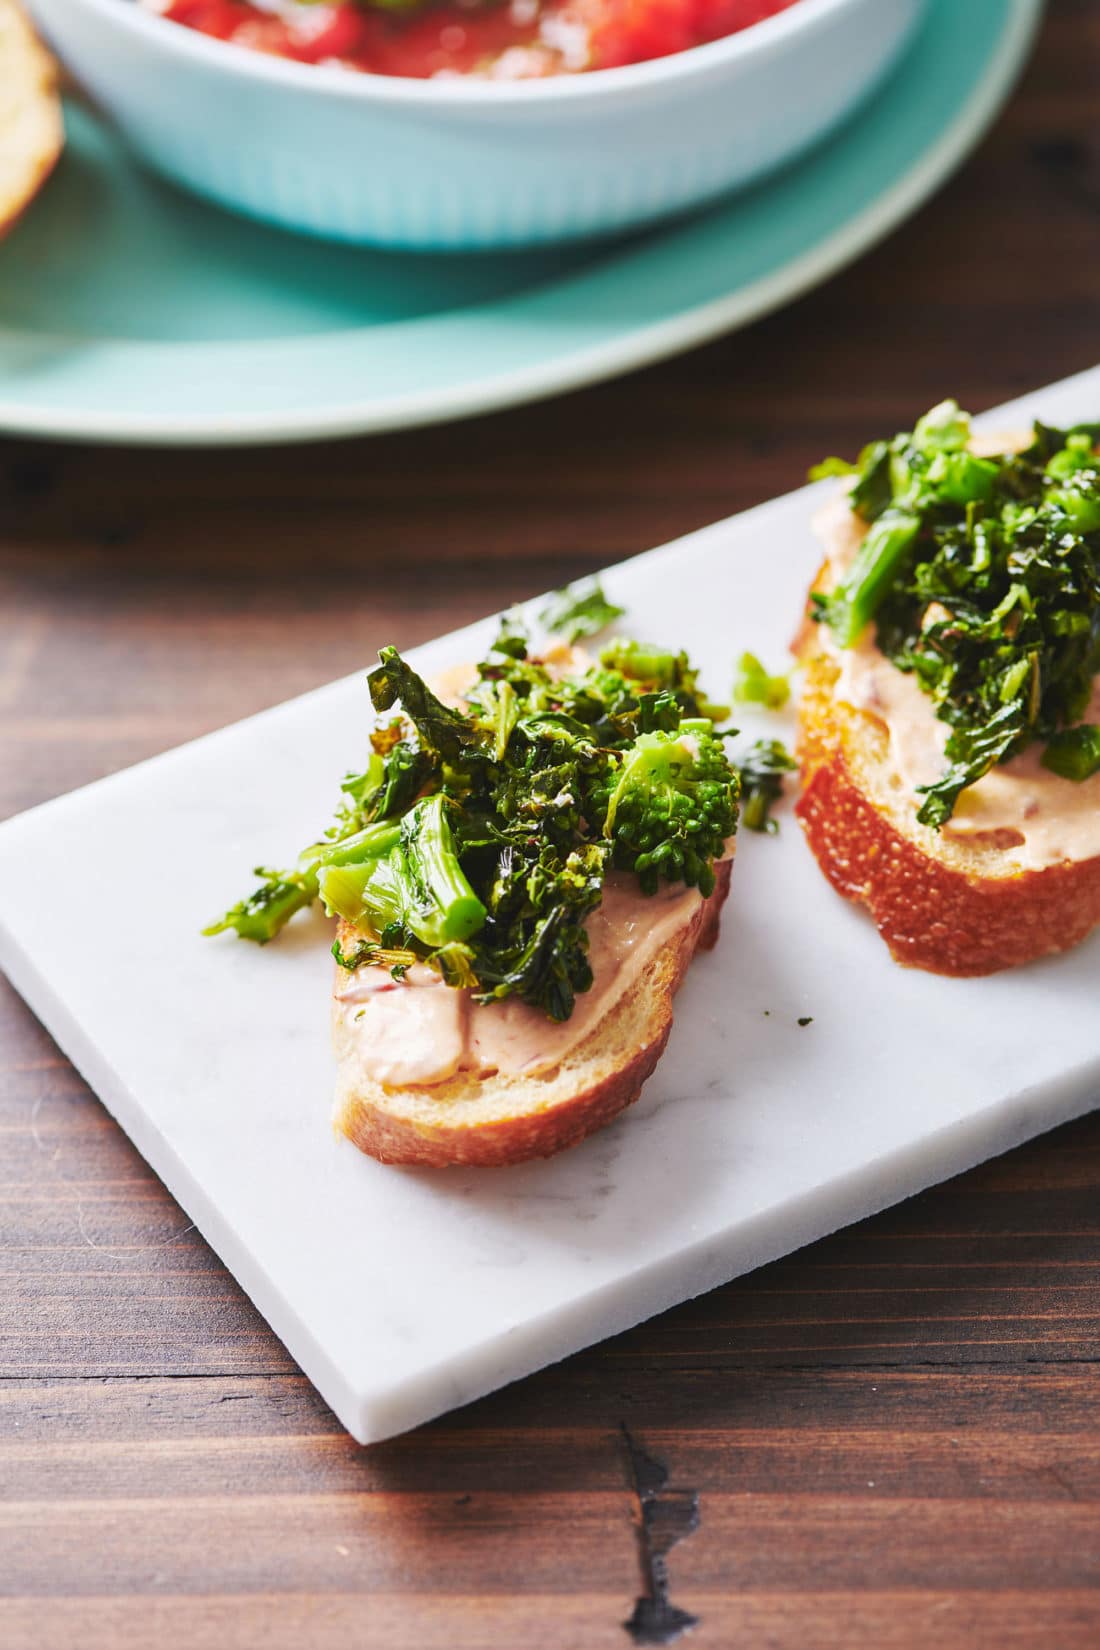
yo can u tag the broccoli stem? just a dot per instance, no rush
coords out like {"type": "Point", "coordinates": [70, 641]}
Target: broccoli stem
{"type": "Point", "coordinates": [362, 848]}
{"type": "Point", "coordinates": [643, 662]}
{"type": "Point", "coordinates": [283, 893]}
{"type": "Point", "coordinates": [857, 599]}
{"type": "Point", "coordinates": [343, 890]}
{"type": "Point", "coordinates": [418, 885]}
{"type": "Point", "coordinates": [369, 844]}
{"type": "Point", "coordinates": [268, 909]}
{"type": "Point", "coordinates": [431, 860]}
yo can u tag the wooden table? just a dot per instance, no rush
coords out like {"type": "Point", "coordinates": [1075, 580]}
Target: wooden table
{"type": "Point", "coordinates": [892, 1436]}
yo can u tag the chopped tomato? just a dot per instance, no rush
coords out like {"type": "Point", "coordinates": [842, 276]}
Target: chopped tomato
{"type": "Point", "coordinates": [632, 31]}
{"type": "Point", "coordinates": [512, 39]}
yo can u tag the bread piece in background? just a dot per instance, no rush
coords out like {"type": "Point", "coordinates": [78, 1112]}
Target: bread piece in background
{"type": "Point", "coordinates": [32, 133]}
{"type": "Point", "coordinates": [1012, 873]}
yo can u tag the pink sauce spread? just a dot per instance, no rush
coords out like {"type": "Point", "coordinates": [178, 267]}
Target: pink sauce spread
{"type": "Point", "coordinates": [421, 1031]}
{"type": "Point", "coordinates": [1055, 820]}
{"type": "Point", "coordinates": [492, 39]}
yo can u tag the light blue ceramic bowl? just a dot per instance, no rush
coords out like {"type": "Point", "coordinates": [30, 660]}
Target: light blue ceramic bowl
{"type": "Point", "coordinates": [458, 164]}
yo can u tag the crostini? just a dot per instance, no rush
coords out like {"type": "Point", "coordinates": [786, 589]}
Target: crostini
{"type": "Point", "coordinates": [950, 714]}
{"type": "Point", "coordinates": [522, 874]}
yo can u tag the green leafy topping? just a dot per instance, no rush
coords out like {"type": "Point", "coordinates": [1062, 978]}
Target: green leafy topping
{"type": "Point", "coordinates": [477, 840]}
{"type": "Point", "coordinates": [360, 790]}
{"type": "Point", "coordinates": [851, 606]}
{"type": "Point", "coordinates": [512, 638]}
{"type": "Point", "coordinates": [971, 751]}
{"type": "Point", "coordinates": [982, 578]}
{"type": "Point", "coordinates": [268, 908]}
{"type": "Point", "coordinates": [1074, 752]}
{"type": "Point", "coordinates": [761, 769]}
{"type": "Point", "coordinates": [828, 467]}
{"type": "Point", "coordinates": [536, 945]}
{"type": "Point", "coordinates": [284, 893]}
{"type": "Point", "coordinates": [578, 611]}
{"type": "Point", "coordinates": [752, 685]}
{"type": "Point", "coordinates": [418, 886]}
{"type": "Point", "coordinates": [662, 672]}
{"type": "Point", "coordinates": [368, 952]}
{"type": "Point", "coordinates": [672, 806]}
{"type": "Point", "coordinates": [645, 662]}
{"type": "Point", "coordinates": [441, 728]}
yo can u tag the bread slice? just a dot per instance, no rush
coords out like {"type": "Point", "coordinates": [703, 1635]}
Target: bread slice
{"type": "Point", "coordinates": [952, 905]}
{"type": "Point", "coordinates": [494, 1119]}
{"type": "Point", "coordinates": [31, 131]}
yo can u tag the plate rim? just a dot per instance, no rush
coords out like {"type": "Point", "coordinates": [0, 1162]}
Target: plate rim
{"type": "Point", "coordinates": [581, 366]}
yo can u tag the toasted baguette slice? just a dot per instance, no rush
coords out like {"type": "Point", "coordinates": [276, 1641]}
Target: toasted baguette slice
{"type": "Point", "coordinates": [493, 1119]}
{"type": "Point", "coordinates": [31, 131]}
{"type": "Point", "coordinates": [950, 905]}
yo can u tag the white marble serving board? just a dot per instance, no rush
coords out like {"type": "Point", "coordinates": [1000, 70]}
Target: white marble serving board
{"type": "Point", "coordinates": [403, 1293]}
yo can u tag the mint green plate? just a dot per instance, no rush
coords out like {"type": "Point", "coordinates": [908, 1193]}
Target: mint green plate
{"type": "Point", "coordinates": [133, 313]}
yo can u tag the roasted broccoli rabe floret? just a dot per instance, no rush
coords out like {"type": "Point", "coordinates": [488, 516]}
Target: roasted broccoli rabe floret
{"type": "Point", "coordinates": [672, 806]}
{"type": "Point", "coordinates": [761, 769]}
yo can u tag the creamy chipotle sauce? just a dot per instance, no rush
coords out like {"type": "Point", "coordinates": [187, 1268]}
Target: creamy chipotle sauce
{"type": "Point", "coordinates": [419, 1031]}
{"type": "Point", "coordinates": [1055, 819]}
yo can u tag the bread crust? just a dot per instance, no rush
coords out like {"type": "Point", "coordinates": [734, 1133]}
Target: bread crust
{"type": "Point", "coordinates": [932, 914]}
{"type": "Point", "coordinates": [594, 1084]}
{"type": "Point", "coordinates": [32, 133]}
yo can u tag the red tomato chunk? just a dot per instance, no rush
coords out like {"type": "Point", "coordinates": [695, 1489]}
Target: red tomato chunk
{"type": "Point", "coordinates": [495, 39]}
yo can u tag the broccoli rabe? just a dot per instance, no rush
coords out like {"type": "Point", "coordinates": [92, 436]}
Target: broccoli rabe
{"type": "Point", "coordinates": [578, 611]}
{"type": "Point", "coordinates": [753, 685]}
{"type": "Point", "coordinates": [643, 662]}
{"type": "Point", "coordinates": [477, 839]}
{"type": "Point", "coordinates": [534, 944]}
{"type": "Point", "coordinates": [260, 916]}
{"type": "Point", "coordinates": [672, 807]}
{"type": "Point", "coordinates": [418, 887]}
{"type": "Point", "coordinates": [761, 769]}
{"type": "Point", "coordinates": [284, 893]}
{"type": "Point", "coordinates": [981, 576]}
{"type": "Point", "coordinates": [442, 729]}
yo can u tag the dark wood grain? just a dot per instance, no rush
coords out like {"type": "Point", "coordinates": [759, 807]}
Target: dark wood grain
{"type": "Point", "coordinates": [893, 1435]}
